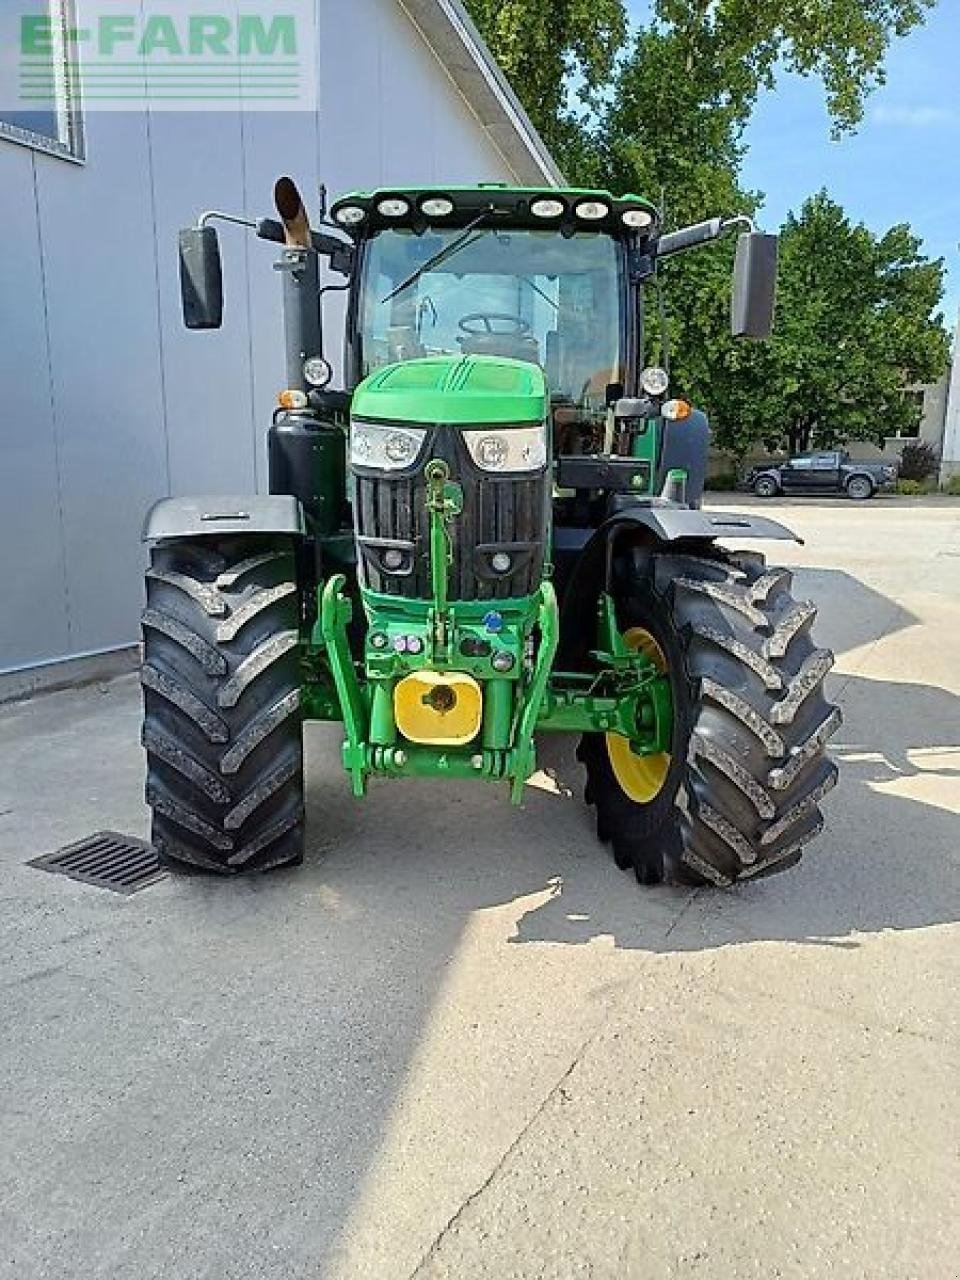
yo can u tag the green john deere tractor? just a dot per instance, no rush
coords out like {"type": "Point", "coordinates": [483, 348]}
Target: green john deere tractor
{"type": "Point", "coordinates": [492, 533]}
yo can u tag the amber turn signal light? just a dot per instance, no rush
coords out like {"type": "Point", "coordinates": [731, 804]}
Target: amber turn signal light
{"type": "Point", "coordinates": [292, 400]}
{"type": "Point", "coordinates": [676, 410]}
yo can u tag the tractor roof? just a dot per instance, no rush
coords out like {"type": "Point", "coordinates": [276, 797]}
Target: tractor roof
{"type": "Point", "coordinates": [362, 212]}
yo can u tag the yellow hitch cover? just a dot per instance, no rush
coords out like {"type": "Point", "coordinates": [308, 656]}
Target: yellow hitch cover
{"type": "Point", "coordinates": [439, 709]}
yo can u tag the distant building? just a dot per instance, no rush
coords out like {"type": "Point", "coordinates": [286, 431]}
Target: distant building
{"type": "Point", "coordinates": [950, 451]}
{"type": "Point", "coordinates": [931, 401]}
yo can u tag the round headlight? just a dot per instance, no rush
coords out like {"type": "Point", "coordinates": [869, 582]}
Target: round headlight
{"type": "Point", "coordinates": [638, 219]}
{"type": "Point", "coordinates": [501, 562]}
{"type": "Point", "coordinates": [351, 215]}
{"type": "Point", "coordinates": [317, 371]}
{"type": "Point", "coordinates": [437, 207]}
{"type": "Point", "coordinates": [654, 380]}
{"type": "Point", "coordinates": [592, 210]}
{"type": "Point", "coordinates": [547, 208]}
{"type": "Point", "coordinates": [401, 448]}
{"type": "Point", "coordinates": [492, 451]}
{"type": "Point", "coordinates": [393, 207]}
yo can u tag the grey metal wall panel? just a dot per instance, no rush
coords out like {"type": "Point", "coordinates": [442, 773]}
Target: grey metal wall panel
{"type": "Point", "coordinates": [33, 603]}
{"type": "Point", "coordinates": [98, 244]}
{"type": "Point", "coordinates": [198, 165]}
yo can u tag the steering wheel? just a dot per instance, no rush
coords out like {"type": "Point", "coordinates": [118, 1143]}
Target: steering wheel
{"type": "Point", "coordinates": [483, 323]}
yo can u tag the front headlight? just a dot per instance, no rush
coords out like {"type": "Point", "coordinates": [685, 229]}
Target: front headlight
{"type": "Point", "coordinates": [513, 449]}
{"type": "Point", "coordinates": [655, 380]}
{"type": "Point", "coordinates": [384, 448]}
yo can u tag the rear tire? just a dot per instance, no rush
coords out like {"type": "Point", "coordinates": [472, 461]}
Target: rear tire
{"type": "Point", "coordinates": [748, 764]}
{"type": "Point", "coordinates": [222, 721]}
{"type": "Point", "coordinates": [765, 487]}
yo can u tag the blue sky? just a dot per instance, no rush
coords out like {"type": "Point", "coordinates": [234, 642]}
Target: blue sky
{"type": "Point", "coordinates": [903, 163]}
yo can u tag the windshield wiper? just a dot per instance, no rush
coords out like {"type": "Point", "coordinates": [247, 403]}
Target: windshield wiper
{"type": "Point", "coordinates": [536, 288]}
{"type": "Point", "coordinates": [447, 252]}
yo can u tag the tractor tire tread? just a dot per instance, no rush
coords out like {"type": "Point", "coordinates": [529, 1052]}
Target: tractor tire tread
{"type": "Point", "coordinates": [221, 682]}
{"type": "Point", "coordinates": [752, 768]}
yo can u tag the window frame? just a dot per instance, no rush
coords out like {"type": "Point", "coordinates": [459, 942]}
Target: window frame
{"type": "Point", "coordinates": [71, 143]}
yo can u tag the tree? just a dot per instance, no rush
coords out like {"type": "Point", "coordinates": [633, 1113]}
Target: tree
{"type": "Point", "coordinates": [545, 46]}
{"type": "Point", "coordinates": [569, 62]}
{"type": "Point", "coordinates": [855, 327]}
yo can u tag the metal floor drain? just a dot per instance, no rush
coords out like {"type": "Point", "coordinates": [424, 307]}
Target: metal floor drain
{"type": "Point", "coordinates": [108, 860]}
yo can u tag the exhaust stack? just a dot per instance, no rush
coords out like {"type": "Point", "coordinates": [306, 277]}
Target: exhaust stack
{"type": "Point", "coordinates": [293, 215]}
{"type": "Point", "coordinates": [301, 283]}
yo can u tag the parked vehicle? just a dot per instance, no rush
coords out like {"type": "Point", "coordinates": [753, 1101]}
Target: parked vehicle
{"type": "Point", "coordinates": [493, 532]}
{"type": "Point", "coordinates": [832, 471]}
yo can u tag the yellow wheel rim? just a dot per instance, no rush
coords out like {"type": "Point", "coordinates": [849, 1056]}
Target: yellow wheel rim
{"type": "Point", "coordinates": [641, 778]}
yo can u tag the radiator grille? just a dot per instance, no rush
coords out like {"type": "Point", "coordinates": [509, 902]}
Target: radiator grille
{"type": "Point", "coordinates": [511, 512]}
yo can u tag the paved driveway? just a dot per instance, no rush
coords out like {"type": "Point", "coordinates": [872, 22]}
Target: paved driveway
{"type": "Point", "coordinates": [460, 1043]}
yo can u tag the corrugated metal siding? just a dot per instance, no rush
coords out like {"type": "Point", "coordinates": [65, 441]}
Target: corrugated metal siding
{"type": "Point", "coordinates": [107, 402]}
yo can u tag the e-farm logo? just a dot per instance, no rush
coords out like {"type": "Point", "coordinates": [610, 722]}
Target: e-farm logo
{"type": "Point", "coordinates": [180, 57]}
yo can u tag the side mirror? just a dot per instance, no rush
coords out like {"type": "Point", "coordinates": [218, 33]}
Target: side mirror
{"type": "Point", "coordinates": [201, 278]}
{"type": "Point", "coordinates": [754, 285]}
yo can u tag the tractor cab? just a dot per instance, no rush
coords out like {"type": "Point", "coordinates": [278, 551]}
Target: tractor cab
{"type": "Point", "coordinates": [538, 276]}
{"type": "Point", "coordinates": [555, 278]}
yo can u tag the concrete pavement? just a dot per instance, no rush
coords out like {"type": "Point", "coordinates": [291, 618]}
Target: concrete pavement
{"type": "Point", "coordinates": [458, 1042]}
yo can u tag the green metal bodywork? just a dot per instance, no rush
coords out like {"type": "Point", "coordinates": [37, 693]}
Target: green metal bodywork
{"type": "Point", "coordinates": [455, 391]}
{"type": "Point", "coordinates": [624, 694]}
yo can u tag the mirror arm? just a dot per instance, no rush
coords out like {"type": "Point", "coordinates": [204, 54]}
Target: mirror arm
{"type": "Point", "coordinates": [739, 220]}
{"type": "Point", "coordinates": [215, 215]}
{"type": "Point", "coordinates": [340, 252]}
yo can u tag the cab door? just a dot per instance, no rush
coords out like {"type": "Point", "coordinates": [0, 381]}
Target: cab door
{"type": "Point", "coordinates": [824, 473]}
{"type": "Point", "coordinates": [795, 474]}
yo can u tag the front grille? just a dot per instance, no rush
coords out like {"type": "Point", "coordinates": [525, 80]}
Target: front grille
{"type": "Point", "coordinates": [511, 512]}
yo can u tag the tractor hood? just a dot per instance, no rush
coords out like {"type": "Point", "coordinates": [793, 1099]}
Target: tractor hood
{"type": "Point", "coordinates": [455, 390]}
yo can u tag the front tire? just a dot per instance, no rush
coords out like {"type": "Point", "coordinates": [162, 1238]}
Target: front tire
{"type": "Point", "coordinates": [748, 764]}
{"type": "Point", "coordinates": [221, 683]}
{"type": "Point", "coordinates": [859, 488]}
{"type": "Point", "coordinates": [765, 487]}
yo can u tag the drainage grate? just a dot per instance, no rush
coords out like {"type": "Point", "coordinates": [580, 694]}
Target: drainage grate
{"type": "Point", "coordinates": [107, 860]}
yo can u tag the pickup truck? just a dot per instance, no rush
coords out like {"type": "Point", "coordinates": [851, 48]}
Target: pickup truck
{"type": "Point", "coordinates": [828, 472]}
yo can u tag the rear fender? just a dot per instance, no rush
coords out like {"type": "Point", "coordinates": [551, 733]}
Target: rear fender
{"type": "Point", "coordinates": [209, 517]}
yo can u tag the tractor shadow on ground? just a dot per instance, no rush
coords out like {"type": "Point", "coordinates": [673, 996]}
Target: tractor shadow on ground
{"type": "Point", "coordinates": [887, 859]}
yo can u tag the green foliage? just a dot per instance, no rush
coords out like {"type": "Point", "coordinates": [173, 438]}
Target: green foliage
{"type": "Point", "coordinates": [543, 46]}
{"type": "Point", "coordinates": [722, 482]}
{"type": "Point", "coordinates": [915, 488]}
{"type": "Point", "coordinates": [918, 461]}
{"type": "Point", "coordinates": [953, 486]}
{"type": "Point", "coordinates": [740, 46]}
{"type": "Point", "coordinates": [691, 75]}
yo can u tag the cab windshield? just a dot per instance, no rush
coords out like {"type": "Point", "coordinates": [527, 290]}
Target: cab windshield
{"type": "Point", "coordinates": [531, 295]}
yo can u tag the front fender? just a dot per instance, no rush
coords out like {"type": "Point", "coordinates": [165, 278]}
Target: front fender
{"type": "Point", "coordinates": [660, 526]}
{"type": "Point", "coordinates": [669, 524]}
{"type": "Point", "coordinates": [216, 515]}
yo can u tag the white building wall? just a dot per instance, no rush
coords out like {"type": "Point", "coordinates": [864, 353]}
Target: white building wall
{"type": "Point", "coordinates": [950, 456]}
{"type": "Point", "coordinates": [107, 402]}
